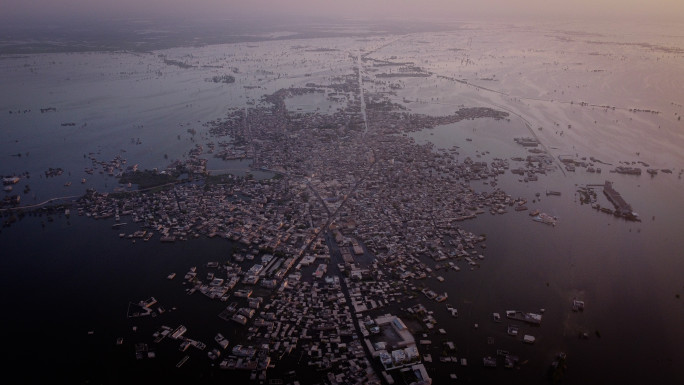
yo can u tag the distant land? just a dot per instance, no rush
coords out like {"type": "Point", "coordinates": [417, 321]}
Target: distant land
{"type": "Point", "coordinates": [148, 34]}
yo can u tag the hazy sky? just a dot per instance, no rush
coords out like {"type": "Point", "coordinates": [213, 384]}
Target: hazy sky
{"type": "Point", "coordinates": [645, 10]}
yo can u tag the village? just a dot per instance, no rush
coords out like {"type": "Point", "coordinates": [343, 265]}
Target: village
{"type": "Point", "coordinates": [354, 207]}
{"type": "Point", "coordinates": [338, 254]}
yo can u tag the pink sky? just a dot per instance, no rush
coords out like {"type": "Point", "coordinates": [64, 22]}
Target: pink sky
{"type": "Point", "coordinates": [645, 10]}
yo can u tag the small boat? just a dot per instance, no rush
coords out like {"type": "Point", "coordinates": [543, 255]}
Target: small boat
{"type": "Point", "coordinates": [497, 317]}
{"type": "Point", "coordinates": [171, 276]}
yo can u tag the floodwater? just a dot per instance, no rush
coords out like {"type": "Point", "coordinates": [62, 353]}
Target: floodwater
{"type": "Point", "coordinates": [629, 271]}
{"type": "Point", "coordinates": [61, 283]}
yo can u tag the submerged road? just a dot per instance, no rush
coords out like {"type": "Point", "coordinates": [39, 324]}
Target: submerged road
{"type": "Point", "coordinates": [331, 218]}
{"type": "Point", "coordinates": [359, 63]}
{"type": "Point", "coordinates": [335, 260]}
{"type": "Point", "coordinates": [41, 204]}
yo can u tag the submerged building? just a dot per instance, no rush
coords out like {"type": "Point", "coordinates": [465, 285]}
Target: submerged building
{"type": "Point", "coordinates": [622, 208]}
{"type": "Point", "coordinates": [398, 353]}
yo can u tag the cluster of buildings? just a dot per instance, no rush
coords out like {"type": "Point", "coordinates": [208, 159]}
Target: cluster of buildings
{"type": "Point", "coordinates": [356, 206]}
{"type": "Point", "coordinates": [244, 211]}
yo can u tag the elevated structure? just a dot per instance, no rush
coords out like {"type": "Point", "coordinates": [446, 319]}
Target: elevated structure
{"type": "Point", "coordinates": [622, 208]}
{"type": "Point", "coordinates": [404, 354]}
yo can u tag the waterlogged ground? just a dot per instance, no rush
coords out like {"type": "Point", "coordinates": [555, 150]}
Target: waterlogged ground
{"type": "Point", "coordinates": [142, 106]}
{"type": "Point", "coordinates": [574, 87]}
{"type": "Point", "coordinates": [545, 73]}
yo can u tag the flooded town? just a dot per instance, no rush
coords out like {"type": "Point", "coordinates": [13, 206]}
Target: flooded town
{"type": "Point", "coordinates": [355, 210]}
